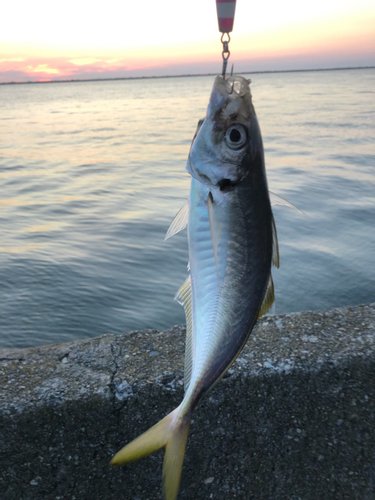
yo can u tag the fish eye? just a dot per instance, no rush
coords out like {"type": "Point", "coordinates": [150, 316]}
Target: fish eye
{"type": "Point", "coordinates": [235, 136]}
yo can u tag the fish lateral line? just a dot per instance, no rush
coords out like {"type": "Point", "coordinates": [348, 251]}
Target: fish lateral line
{"type": "Point", "coordinates": [215, 232]}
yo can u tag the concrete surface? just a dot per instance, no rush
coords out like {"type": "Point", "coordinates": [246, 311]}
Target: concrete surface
{"type": "Point", "coordinates": [293, 419]}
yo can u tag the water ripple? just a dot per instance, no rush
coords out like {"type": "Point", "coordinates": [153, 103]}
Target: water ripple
{"type": "Point", "coordinates": [93, 173]}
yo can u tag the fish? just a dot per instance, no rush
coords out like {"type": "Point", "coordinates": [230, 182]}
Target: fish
{"type": "Point", "coordinates": [232, 242]}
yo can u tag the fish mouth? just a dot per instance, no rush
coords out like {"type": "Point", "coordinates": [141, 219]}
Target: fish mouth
{"type": "Point", "coordinates": [233, 84]}
{"type": "Point", "coordinates": [230, 96]}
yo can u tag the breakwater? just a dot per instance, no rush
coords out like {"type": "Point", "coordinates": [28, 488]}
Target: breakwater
{"type": "Point", "coordinates": [293, 418]}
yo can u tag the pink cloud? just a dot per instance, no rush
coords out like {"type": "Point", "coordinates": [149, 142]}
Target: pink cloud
{"type": "Point", "coordinates": [50, 69]}
{"type": "Point", "coordinates": [18, 69]}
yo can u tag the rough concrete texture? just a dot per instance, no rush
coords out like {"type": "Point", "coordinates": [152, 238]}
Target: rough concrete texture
{"type": "Point", "coordinates": [293, 419]}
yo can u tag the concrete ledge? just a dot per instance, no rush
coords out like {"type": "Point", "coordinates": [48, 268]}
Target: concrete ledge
{"type": "Point", "coordinates": [294, 418]}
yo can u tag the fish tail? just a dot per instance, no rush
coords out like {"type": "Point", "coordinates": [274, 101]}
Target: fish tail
{"type": "Point", "coordinates": [174, 456]}
{"type": "Point", "coordinates": [170, 433]}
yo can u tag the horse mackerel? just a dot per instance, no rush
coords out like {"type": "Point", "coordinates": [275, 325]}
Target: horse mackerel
{"type": "Point", "coordinates": [232, 244]}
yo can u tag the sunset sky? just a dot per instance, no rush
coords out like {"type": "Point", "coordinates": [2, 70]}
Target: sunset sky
{"type": "Point", "coordinates": [77, 39]}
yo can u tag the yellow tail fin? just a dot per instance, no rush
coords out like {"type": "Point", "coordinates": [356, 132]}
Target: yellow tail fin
{"type": "Point", "coordinates": [174, 457]}
{"type": "Point", "coordinates": [171, 433]}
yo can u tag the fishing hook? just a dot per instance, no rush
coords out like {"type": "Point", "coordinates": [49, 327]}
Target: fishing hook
{"type": "Point", "coordinates": [226, 53]}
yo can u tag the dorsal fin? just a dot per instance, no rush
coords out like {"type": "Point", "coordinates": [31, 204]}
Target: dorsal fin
{"type": "Point", "coordinates": [269, 298]}
{"type": "Point", "coordinates": [215, 230]}
{"type": "Point", "coordinates": [184, 297]}
{"type": "Point", "coordinates": [179, 222]}
{"type": "Point", "coordinates": [275, 246]}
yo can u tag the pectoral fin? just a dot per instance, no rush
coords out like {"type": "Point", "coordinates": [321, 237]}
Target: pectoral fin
{"type": "Point", "coordinates": [278, 200]}
{"type": "Point", "coordinates": [179, 222]}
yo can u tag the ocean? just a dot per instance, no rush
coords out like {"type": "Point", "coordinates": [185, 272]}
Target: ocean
{"type": "Point", "coordinates": [92, 174]}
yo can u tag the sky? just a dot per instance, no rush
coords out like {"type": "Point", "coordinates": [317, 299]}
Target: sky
{"type": "Point", "coordinates": [80, 39]}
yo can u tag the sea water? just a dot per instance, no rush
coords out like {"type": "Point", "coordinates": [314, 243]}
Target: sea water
{"type": "Point", "coordinates": [92, 174]}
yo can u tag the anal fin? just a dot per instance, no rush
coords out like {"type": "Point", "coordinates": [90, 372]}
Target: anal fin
{"type": "Point", "coordinates": [275, 246]}
{"type": "Point", "coordinates": [269, 298]}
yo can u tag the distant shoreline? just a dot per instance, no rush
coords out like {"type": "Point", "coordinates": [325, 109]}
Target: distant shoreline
{"type": "Point", "coordinates": [183, 76]}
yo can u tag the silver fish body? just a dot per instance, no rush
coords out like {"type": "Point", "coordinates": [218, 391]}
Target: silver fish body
{"type": "Point", "coordinates": [232, 242]}
{"type": "Point", "coordinates": [226, 300]}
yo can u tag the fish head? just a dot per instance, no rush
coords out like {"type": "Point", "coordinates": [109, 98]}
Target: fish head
{"type": "Point", "coordinates": [228, 139]}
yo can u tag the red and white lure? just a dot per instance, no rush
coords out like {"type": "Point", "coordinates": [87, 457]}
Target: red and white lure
{"type": "Point", "coordinates": [225, 15]}
{"type": "Point", "coordinates": [225, 18]}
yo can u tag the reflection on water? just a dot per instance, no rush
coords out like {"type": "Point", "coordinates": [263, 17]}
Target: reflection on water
{"type": "Point", "coordinates": [92, 174]}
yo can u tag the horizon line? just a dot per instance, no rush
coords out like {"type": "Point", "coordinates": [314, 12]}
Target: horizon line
{"type": "Point", "coordinates": [191, 75]}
